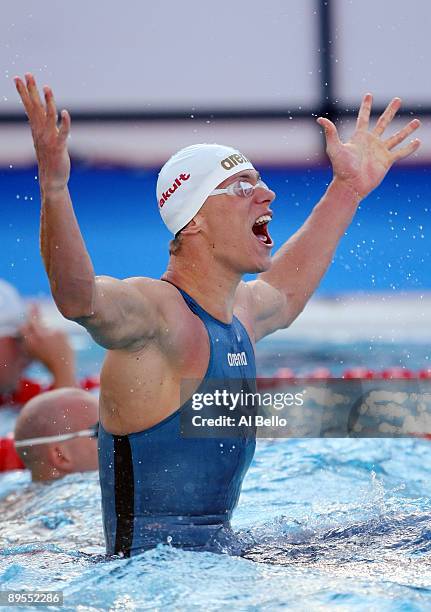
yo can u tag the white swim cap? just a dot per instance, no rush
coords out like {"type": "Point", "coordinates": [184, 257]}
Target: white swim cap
{"type": "Point", "coordinates": [189, 176]}
{"type": "Point", "coordinates": [12, 310]}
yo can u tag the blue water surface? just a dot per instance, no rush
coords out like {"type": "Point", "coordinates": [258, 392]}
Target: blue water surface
{"type": "Point", "coordinates": [387, 247]}
{"type": "Point", "coordinates": [330, 523]}
{"type": "Point", "coordinates": [343, 523]}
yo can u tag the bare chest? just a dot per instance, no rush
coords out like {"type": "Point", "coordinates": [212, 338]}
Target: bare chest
{"type": "Point", "coordinates": [140, 389]}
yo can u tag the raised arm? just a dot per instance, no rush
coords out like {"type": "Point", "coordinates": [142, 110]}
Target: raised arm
{"type": "Point", "coordinates": [359, 166]}
{"type": "Point", "coordinates": [117, 313]}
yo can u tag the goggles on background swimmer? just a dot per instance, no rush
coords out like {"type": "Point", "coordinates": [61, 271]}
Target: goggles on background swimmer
{"type": "Point", "coordinates": [244, 189]}
{"type": "Point", "coordinates": [91, 432]}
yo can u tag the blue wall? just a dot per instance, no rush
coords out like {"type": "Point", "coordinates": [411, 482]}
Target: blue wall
{"type": "Point", "coordinates": [386, 248]}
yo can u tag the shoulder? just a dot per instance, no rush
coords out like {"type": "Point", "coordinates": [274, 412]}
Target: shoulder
{"type": "Point", "coordinates": [161, 293]}
{"type": "Point", "coordinates": [178, 321]}
{"type": "Point", "coordinates": [132, 312]}
{"type": "Point", "coordinates": [151, 290]}
{"type": "Point", "coordinates": [146, 284]}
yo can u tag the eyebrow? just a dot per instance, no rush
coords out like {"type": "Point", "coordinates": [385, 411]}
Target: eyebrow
{"type": "Point", "coordinates": [247, 176]}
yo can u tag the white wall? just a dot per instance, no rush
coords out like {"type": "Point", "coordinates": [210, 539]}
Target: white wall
{"type": "Point", "coordinates": [167, 54]}
{"type": "Point", "coordinates": [137, 55]}
{"type": "Point", "coordinates": [383, 46]}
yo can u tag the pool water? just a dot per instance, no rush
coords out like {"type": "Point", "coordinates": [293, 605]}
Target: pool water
{"type": "Point", "coordinates": [335, 522]}
{"type": "Point", "coordinates": [342, 522]}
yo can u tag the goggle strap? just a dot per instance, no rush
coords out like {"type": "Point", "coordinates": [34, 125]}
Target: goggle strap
{"type": "Point", "coordinates": [84, 433]}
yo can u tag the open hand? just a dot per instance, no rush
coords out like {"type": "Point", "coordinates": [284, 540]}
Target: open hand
{"type": "Point", "coordinates": [364, 160]}
{"type": "Point", "coordinates": [49, 140]}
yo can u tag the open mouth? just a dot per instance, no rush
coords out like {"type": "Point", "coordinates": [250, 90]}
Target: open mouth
{"type": "Point", "coordinates": [260, 229]}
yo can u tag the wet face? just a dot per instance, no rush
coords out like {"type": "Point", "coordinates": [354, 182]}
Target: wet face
{"type": "Point", "coordinates": [237, 227]}
{"type": "Point", "coordinates": [78, 454]}
{"type": "Point", "coordinates": [84, 454]}
{"type": "Point", "coordinates": [13, 361]}
{"type": "Point", "coordinates": [84, 450]}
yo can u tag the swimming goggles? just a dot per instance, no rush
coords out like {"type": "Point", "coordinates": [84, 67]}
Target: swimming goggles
{"type": "Point", "coordinates": [244, 189]}
{"type": "Point", "coordinates": [91, 432]}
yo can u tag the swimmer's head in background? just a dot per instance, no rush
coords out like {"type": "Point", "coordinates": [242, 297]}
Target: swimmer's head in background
{"type": "Point", "coordinates": [13, 314]}
{"type": "Point", "coordinates": [188, 177]}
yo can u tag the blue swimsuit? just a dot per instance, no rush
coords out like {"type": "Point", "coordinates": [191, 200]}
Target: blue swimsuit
{"type": "Point", "coordinates": [159, 487]}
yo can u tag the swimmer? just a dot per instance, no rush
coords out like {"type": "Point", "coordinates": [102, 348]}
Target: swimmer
{"type": "Point", "coordinates": [55, 433]}
{"type": "Point", "coordinates": [23, 339]}
{"type": "Point", "coordinates": [199, 321]}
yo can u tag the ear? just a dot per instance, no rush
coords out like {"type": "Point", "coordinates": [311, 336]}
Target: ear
{"type": "Point", "coordinates": [193, 227]}
{"type": "Point", "coordinates": [60, 458]}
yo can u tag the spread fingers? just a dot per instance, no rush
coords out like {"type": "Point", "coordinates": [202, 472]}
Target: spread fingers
{"type": "Point", "coordinates": [401, 135]}
{"type": "Point", "coordinates": [407, 150]}
{"type": "Point", "coordinates": [32, 90]}
{"type": "Point", "coordinates": [387, 116]}
{"type": "Point", "coordinates": [24, 95]}
{"type": "Point", "coordinates": [51, 111]}
{"type": "Point", "coordinates": [364, 112]}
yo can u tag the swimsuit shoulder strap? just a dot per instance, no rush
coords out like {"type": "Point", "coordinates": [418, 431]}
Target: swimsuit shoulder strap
{"type": "Point", "coordinates": [205, 316]}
